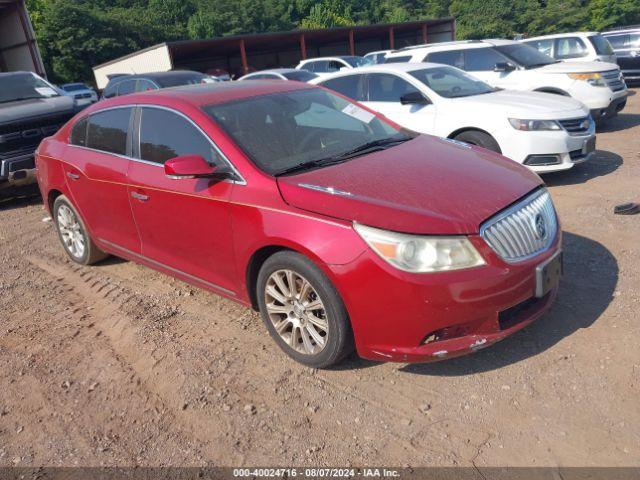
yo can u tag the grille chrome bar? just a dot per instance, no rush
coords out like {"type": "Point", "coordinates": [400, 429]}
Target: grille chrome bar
{"type": "Point", "coordinates": [523, 230]}
{"type": "Point", "coordinates": [576, 126]}
{"type": "Point", "coordinates": [613, 79]}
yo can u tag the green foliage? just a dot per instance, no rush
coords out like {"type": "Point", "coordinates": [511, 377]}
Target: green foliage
{"type": "Point", "coordinates": [75, 35]}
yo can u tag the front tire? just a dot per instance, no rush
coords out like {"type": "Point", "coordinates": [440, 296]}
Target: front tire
{"type": "Point", "coordinates": [302, 310]}
{"type": "Point", "coordinates": [481, 139]}
{"type": "Point", "coordinates": [73, 234]}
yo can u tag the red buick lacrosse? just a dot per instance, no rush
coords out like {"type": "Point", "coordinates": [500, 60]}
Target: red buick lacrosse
{"type": "Point", "coordinates": [341, 228]}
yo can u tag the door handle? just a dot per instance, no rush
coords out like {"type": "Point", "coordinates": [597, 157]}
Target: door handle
{"type": "Point", "coordinates": [73, 176]}
{"type": "Point", "coordinates": [140, 196]}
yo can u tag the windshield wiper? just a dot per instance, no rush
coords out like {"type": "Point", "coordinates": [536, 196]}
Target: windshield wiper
{"type": "Point", "coordinates": [360, 150]}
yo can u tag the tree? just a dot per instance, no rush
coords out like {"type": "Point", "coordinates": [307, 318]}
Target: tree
{"type": "Point", "coordinates": [329, 13]}
{"type": "Point", "coordinates": [605, 14]}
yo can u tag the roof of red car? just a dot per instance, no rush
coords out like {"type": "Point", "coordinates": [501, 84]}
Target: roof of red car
{"type": "Point", "coordinates": [213, 93]}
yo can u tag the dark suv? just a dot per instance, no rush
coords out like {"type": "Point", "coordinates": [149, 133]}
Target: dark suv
{"type": "Point", "coordinates": [30, 110]}
{"type": "Point", "coordinates": [626, 45]}
{"type": "Point", "coordinates": [126, 84]}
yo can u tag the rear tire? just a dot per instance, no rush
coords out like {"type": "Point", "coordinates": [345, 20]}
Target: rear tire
{"type": "Point", "coordinates": [481, 139]}
{"type": "Point", "coordinates": [73, 234]}
{"type": "Point", "coordinates": [303, 311]}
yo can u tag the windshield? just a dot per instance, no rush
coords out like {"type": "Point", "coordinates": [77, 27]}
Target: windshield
{"type": "Point", "coordinates": [357, 61]}
{"type": "Point", "coordinates": [282, 130]}
{"type": "Point", "coordinates": [300, 75]}
{"type": "Point", "coordinates": [451, 83]}
{"type": "Point", "coordinates": [525, 55]}
{"type": "Point", "coordinates": [73, 87]}
{"type": "Point", "coordinates": [179, 80]}
{"type": "Point", "coordinates": [23, 86]}
{"type": "Point", "coordinates": [601, 44]}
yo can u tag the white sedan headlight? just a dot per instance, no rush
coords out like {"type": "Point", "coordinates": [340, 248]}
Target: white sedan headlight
{"type": "Point", "coordinates": [420, 254]}
{"type": "Point", "coordinates": [533, 125]}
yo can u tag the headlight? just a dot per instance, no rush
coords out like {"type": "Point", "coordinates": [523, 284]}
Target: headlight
{"type": "Point", "coordinates": [531, 125]}
{"type": "Point", "coordinates": [594, 79]}
{"type": "Point", "coordinates": [419, 254]}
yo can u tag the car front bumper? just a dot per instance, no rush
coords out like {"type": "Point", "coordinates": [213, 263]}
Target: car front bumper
{"type": "Point", "coordinates": [616, 105]}
{"type": "Point", "coordinates": [17, 171]}
{"type": "Point", "coordinates": [548, 151]}
{"type": "Point", "coordinates": [404, 317]}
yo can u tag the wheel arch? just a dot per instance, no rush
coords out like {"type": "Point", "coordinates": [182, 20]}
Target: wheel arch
{"type": "Point", "coordinates": [552, 90]}
{"type": "Point", "coordinates": [469, 129]}
{"type": "Point", "coordinates": [51, 198]}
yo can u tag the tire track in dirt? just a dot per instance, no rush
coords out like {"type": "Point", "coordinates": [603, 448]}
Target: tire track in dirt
{"type": "Point", "coordinates": [379, 404]}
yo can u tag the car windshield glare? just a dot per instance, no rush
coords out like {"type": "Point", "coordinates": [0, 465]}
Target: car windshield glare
{"type": "Point", "coordinates": [451, 83]}
{"type": "Point", "coordinates": [525, 55]}
{"type": "Point", "coordinates": [300, 75]}
{"type": "Point", "coordinates": [180, 80]}
{"type": "Point", "coordinates": [280, 131]}
{"type": "Point", "coordinates": [358, 61]}
{"type": "Point", "coordinates": [23, 86]}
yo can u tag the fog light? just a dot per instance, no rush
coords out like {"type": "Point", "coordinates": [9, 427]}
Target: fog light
{"type": "Point", "coordinates": [542, 160]}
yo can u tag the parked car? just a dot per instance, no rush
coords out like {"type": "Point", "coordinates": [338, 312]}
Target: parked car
{"type": "Point", "coordinates": [127, 84]}
{"type": "Point", "coordinates": [515, 66]}
{"type": "Point", "coordinates": [545, 132]}
{"type": "Point", "coordinates": [281, 74]}
{"type": "Point", "coordinates": [30, 109]}
{"type": "Point", "coordinates": [84, 95]}
{"type": "Point", "coordinates": [325, 65]}
{"type": "Point", "coordinates": [576, 46]}
{"type": "Point", "coordinates": [626, 45]}
{"type": "Point", "coordinates": [378, 56]}
{"type": "Point", "coordinates": [337, 225]}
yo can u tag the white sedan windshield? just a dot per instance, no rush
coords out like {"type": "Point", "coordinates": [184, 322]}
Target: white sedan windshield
{"type": "Point", "coordinates": [451, 83]}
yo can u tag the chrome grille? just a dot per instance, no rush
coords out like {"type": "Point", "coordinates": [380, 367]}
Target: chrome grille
{"type": "Point", "coordinates": [613, 79]}
{"type": "Point", "coordinates": [576, 126]}
{"type": "Point", "coordinates": [524, 229]}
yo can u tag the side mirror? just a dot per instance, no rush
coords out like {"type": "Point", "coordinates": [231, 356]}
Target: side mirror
{"type": "Point", "coordinates": [504, 67]}
{"type": "Point", "coordinates": [189, 166]}
{"type": "Point", "coordinates": [414, 98]}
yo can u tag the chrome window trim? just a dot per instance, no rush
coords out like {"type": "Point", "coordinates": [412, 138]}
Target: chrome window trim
{"type": "Point", "coordinates": [526, 200]}
{"type": "Point", "coordinates": [242, 181]}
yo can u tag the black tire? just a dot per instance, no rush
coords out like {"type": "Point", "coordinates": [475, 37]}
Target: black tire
{"type": "Point", "coordinates": [91, 253]}
{"type": "Point", "coordinates": [481, 139]}
{"type": "Point", "coordinates": [339, 336]}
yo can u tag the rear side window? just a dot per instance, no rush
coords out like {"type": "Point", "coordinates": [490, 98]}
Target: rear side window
{"type": "Point", "coordinates": [455, 58]}
{"type": "Point", "coordinates": [403, 59]}
{"type": "Point", "coordinates": [321, 66]}
{"type": "Point", "coordinates": [107, 130]}
{"type": "Point", "coordinates": [384, 87]}
{"type": "Point", "coordinates": [165, 135]}
{"type": "Point", "coordinates": [570, 47]}
{"type": "Point", "coordinates": [618, 41]}
{"type": "Point", "coordinates": [335, 66]}
{"type": "Point", "coordinates": [143, 85]}
{"type": "Point", "coordinates": [350, 86]}
{"type": "Point", "coordinates": [126, 87]}
{"type": "Point", "coordinates": [79, 133]}
{"type": "Point", "coordinates": [482, 59]}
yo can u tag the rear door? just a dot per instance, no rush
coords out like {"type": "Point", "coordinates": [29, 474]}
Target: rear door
{"type": "Point", "coordinates": [184, 224]}
{"type": "Point", "coordinates": [96, 174]}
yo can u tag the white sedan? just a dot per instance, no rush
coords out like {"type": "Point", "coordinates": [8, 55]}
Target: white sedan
{"type": "Point", "coordinates": [543, 131]}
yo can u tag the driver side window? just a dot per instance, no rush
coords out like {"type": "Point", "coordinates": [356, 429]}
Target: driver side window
{"type": "Point", "coordinates": [384, 87]}
{"type": "Point", "coordinates": [165, 135]}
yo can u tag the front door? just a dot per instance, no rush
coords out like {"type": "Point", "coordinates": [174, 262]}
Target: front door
{"type": "Point", "coordinates": [96, 174]}
{"type": "Point", "coordinates": [184, 224]}
{"type": "Point", "coordinates": [385, 91]}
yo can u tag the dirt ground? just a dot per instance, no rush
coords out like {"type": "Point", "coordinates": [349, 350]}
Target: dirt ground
{"type": "Point", "coordinates": [119, 365]}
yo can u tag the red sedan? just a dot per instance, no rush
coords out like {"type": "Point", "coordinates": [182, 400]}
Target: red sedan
{"type": "Point", "coordinates": [341, 228]}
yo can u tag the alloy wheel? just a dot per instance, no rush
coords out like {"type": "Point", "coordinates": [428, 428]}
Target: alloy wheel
{"type": "Point", "coordinates": [71, 232]}
{"type": "Point", "coordinates": [296, 311]}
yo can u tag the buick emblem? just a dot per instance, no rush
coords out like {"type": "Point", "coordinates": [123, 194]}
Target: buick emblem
{"type": "Point", "coordinates": [541, 226]}
{"type": "Point", "coordinates": [585, 124]}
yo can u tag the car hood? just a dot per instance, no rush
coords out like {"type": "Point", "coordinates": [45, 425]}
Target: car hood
{"type": "Point", "coordinates": [35, 107]}
{"type": "Point", "coordinates": [427, 185]}
{"type": "Point", "coordinates": [529, 105]}
{"type": "Point", "coordinates": [577, 67]}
